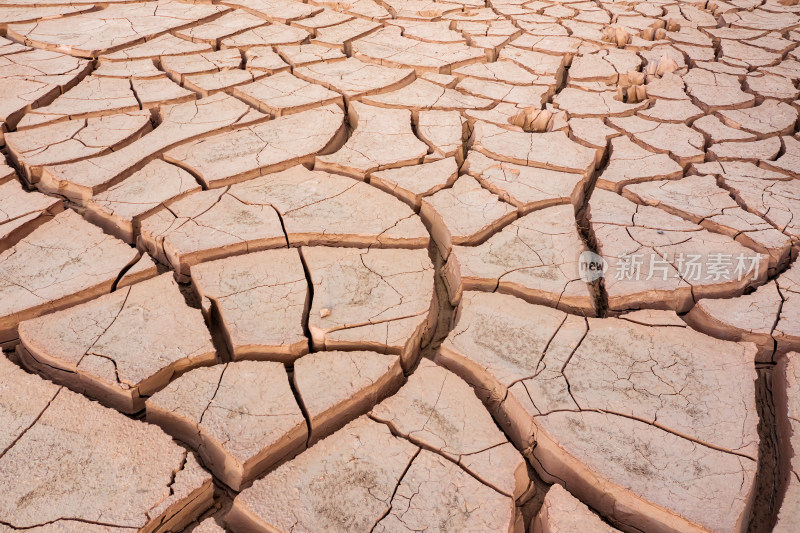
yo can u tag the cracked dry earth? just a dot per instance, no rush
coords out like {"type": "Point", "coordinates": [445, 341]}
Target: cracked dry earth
{"type": "Point", "coordinates": [284, 266]}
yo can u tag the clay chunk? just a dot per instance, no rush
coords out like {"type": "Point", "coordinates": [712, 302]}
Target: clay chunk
{"type": "Point", "coordinates": [789, 161]}
{"type": "Point", "coordinates": [96, 95]}
{"type": "Point", "coordinates": [382, 138]}
{"type": "Point", "coordinates": [422, 94]}
{"type": "Point", "coordinates": [770, 118]}
{"type": "Point", "coordinates": [121, 347]}
{"type": "Point", "coordinates": [411, 184]}
{"type": "Point", "coordinates": [336, 387]}
{"type": "Point", "coordinates": [241, 417]}
{"type": "Point", "coordinates": [75, 139]}
{"type": "Point", "coordinates": [619, 439]}
{"type": "Point", "coordinates": [388, 47]}
{"type": "Point", "coordinates": [181, 65]}
{"type": "Point", "coordinates": [629, 163]}
{"type": "Point", "coordinates": [443, 131]}
{"type": "Point", "coordinates": [342, 484]}
{"type": "Point", "coordinates": [527, 188]}
{"type": "Point", "coordinates": [714, 91]}
{"type": "Point", "coordinates": [31, 78]}
{"type": "Point", "coordinates": [165, 45]}
{"type": "Point", "coordinates": [775, 199]}
{"type": "Point", "coordinates": [268, 35]}
{"type": "Point", "coordinates": [21, 212]}
{"type": "Point", "coordinates": [260, 149]}
{"type": "Point", "coordinates": [321, 208]}
{"type": "Point", "coordinates": [259, 300]}
{"type": "Point", "coordinates": [562, 512]}
{"type": "Point", "coordinates": [80, 180]}
{"type": "Point", "coordinates": [766, 317]}
{"type": "Point", "coordinates": [659, 260]}
{"type": "Point", "coordinates": [61, 263]}
{"type": "Point", "coordinates": [439, 411]}
{"type": "Point", "coordinates": [585, 104]}
{"type": "Point", "coordinates": [7, 173]}
{"type": "Point", "coordinates": [701, 200]}
{"type": "Point", "coordinates": [209, 525]}
{"type": "Point", "coordinates": [209, 225]}
{"type": "Point", "coordinates": [92, 33]}
{"type": "Point", "coordinates": [535, 257]}
{"type": "Point", "coordinates": [303, 54]}
{"type": "Point", "coordinates": [68, 458]}
{"type": "Point", "coordinates": [437, 496]}
{"type": "Point", "coordinates": [283, 94]}
{"type": "Point", "coordinates": [354, 78]}
{"type": "Point", "coordinates": [120, 209]}
{"type": "Point", "coordinates": [370, 299]}
{"type": "Point", "coordinates": [679, 141]}
{"type": "Point", "coordinates": [228, 24]}
{"type": "Point", "coordinates": [465, 213]}
{"type": "Point", "coordinates": [552, 150]}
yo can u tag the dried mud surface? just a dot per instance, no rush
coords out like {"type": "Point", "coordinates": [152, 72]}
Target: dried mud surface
{"type": "Point", "coordinates": [304, 266]}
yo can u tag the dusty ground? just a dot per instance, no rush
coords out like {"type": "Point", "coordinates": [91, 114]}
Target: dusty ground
{"type": "Point", "coordinates": [399, 265]}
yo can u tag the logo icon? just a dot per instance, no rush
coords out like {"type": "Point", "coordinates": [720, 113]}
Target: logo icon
{"type": "Point", "coordinates": [591, 266]}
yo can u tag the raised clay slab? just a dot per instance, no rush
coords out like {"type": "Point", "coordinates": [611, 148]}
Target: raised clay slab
{"type": "Point", "coordinates": [68, 455]}
{"type": "Point", "coordinates": [552, 381]}
{"type": "Point", "coordinates": [121, 347]}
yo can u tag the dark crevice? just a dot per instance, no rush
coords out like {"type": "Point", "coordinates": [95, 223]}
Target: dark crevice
{"type": "Point", "coordinates": [190, 296]}
{"type": "Point", "coordinates": [309, 301]}
{"type": "Point", "coordinates": [445, 312]}
{"type": "Point", "coordinates": [530, 507]}
{"type": "Point", "coordinates": [283, 226]}
{"type": "Point", "coordinates": [125, 270]}
{"type": "Point", "coordinates": [768, 475]}
{"type": "Point", "coordinates": [189, 170]}
{"type": "Point", "coordinates": [214, 321]}
{"type": "Point", "coordinates": [299, 400]}
{"type": "Point", "coordinates": [583, 223]}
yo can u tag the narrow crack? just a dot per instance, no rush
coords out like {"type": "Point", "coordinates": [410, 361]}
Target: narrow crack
{"type": "Point", "coordinates": [33, 423]}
